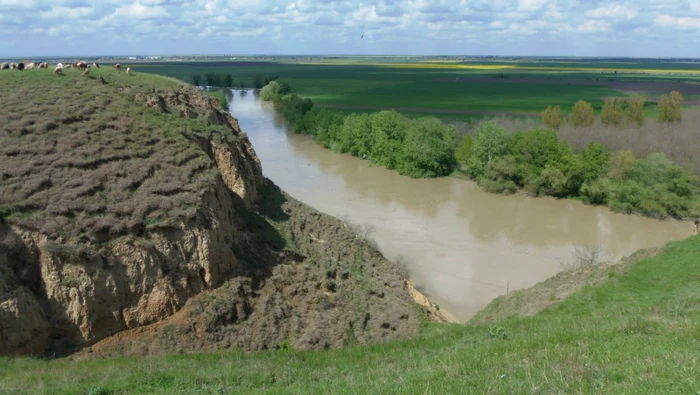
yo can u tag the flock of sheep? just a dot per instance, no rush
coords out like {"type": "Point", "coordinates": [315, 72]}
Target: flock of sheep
{"type": "Point", "coordinates": [82, 66]}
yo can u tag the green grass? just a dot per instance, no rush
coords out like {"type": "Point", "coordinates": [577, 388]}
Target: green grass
{"type": "Point", "coordinates": [638, 332]}
{"type": "Point", "coordinates": [363, 85]}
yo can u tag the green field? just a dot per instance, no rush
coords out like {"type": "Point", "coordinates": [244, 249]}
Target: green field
{"type": "Point", "coordinates": [454, 90]}
{"type": "Point", "coordinates": [634, 329]}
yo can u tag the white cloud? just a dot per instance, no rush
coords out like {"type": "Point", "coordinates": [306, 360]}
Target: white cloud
{"type": "Point", "coordinates": [66, 12]}
{"type": "Point", "coordinates": [684, 23]}
{"type": "Point", "coordinates": [140, 11]}
{"type": "Point", "coordinates": [594, 26]}
{"type": "Point", "coordinates": [614, 11]}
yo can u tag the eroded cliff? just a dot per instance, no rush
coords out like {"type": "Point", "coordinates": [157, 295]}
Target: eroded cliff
{"type": "Point", "coordinates": [138, 221]}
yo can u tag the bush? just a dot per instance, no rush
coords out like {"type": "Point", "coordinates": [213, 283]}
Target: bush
{"type": "Point", "coordinates": [270, 91]}
{"type": "Point", "coordinates": [612, 112]}
{"type": "Point", "coordinates": [621, 164]}
{"type": "Point", "coordinates": [464, 149]}
{"type": "Point", "coordinates": [635, 110]}
{"type": "Point", "coordinates": [586, 256]}
{"type": "Point", "coordinates": [551, 117]}
{"type": "Point", "coordinates": [670, 107]}
{"type": "Point", "coordinates": [490, 143]}
{"type": "Point", "coordinates": [428, 149]}
{"type": "Point", "coordinates": [582, 114]}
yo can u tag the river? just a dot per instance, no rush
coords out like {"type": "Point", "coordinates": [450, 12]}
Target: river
{"type": "Point", "coordinates": [463, 246]}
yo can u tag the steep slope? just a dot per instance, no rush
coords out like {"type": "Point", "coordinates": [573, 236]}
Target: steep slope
{"type": "Point", "coordinates": [138, 205]}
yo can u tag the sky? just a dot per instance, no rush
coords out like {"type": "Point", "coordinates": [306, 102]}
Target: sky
{"type": "Point", "coordinates": [641, 28]}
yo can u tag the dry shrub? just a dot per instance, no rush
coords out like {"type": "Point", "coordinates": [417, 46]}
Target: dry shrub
{"type": "Point", "coordinates": [612, 113]}
{"type": "Point", "coordinates": [671, 107]}
{"type": "Point", "coordinates": [551, 117]}
{"type": "Point", "coordinates": [582, 114]}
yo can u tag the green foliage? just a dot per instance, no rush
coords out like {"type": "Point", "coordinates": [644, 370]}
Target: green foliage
{"type": "Point", "coordinates": [422, 147]}
{"type": "Point", "coordinates": [464, 149]}
{"type": "Point", "coordinates": [635, 110]}
{"type": "Point", "coordinates": [497, 332]}
{"type": "Point", "coordinates": [228, 80]}
{"type": "Point", "coordinates": [196, 80]}
{"type": "Point", "coordinates": [671, 107]}
{"type": "Point", "coordinates": [269, 91]}
{"type": "Point", "coordinates": [551, 117]}
{"type": "Point", "coordinates": [612, 112]}
{"type": "Point", "coordinates": [582, 114]}
{"type": "Point", "coordinates": [260, 80]}
{"type": "Point", "coordinates": [490, 143]}
{"type": "Point", "coordinates": [621, 164]}
{"type": "Point", "coordinates": [220, 97]}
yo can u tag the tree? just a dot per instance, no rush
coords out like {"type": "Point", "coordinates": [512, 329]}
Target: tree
{"type": "Point", "coordinates": [196, 80]}
{"type": "Point", "coordinates": [228, 80]}
{"type": "Point", "coordinates": [552, 117]}
{"type": "Point", "coordinates": [621, 164]}
{"type": "Point", "coordinates": [428, 149]}
{"type": "Point", "coordinates": [582, 114]}
{"type": "Point", "coordinates": [612, 112]}
{"type": "Point", "coordinates": [635, 110]}
{"type": "Point", "coordinates": [269, 91]}
{"type": "Point", "coordinates": [670, 107]}
{"type": "Point", "coordinates": [490, 143]}
{"type": "Point", "coordinates": [213, 79]}
{"type": "Point", "coordinates": [464, 149]}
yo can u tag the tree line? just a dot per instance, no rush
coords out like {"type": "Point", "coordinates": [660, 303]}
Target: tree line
{"type": "Point", "coordinates": [225, 80]}
{"type": "Point", "coordinates": [416, 147]}
{"type": "Point", "coordinates": [535, 160]}
{"type": "Point", "coordinates": [616, 111]}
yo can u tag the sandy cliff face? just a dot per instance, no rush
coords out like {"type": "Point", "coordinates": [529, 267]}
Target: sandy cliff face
{"type": "Point", "coordinates": [251, 269]}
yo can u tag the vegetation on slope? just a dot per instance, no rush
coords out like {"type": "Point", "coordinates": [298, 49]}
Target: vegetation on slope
{"type": "Point", "coordinates": [635, 331]}
{"type": "Point", "coordinates": [101, 166]}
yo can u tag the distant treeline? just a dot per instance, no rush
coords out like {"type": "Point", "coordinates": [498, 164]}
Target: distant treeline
{"type": "Point", "coordinates": [500, 162]}
{"type": "Point", "coordinates": [225, 80]}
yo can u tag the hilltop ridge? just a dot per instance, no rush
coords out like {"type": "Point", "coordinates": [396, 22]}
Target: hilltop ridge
{"type": "Point", "coordinates": [138, 208]}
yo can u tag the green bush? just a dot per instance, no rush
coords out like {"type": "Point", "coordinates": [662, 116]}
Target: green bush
{"type": "Point", "coordinates": [220, 98]}
{"type": "Point", "coordinates": [490, 143]}
{"type": "Point", "coordinates": [464, 149]}
{"type": "Point", "coordinates": [269, 91]}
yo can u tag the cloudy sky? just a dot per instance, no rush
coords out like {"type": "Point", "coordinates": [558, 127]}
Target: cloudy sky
{"type": "Point", "coordinates": [430, 27]}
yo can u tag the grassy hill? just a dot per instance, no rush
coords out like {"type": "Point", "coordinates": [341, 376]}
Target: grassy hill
{"type": "Point", "coordinates": [630, 328]}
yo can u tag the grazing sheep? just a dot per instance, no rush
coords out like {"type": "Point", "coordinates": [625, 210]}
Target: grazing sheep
{"type": "Point", "coordinates": [4, 66]}
{"type": "Point", "coordinates": [96, 65]}
{"type": "Point", "coordinates": [44, 65]}
{"type": "Point", "coordinates": [13, 66]}
{"type": "Point", "coordinates": [20, 66]}
{"type": "Point", "coordinates": [102, 80]}
{"type": "Point", "coordinates": [82, 65]}
{"type": "Point", "coordinates": [58, 71]}
{"type": "Point", "coordinates": [118, 67]}
{"type": "Point", "coordinates": [60, 66]}
{"type": "Point", "coordinates": [128, 70]}
{"type": "Point", "coordinates": [31, 66]}
{"type": "Point", "coordinates": [86, 72]}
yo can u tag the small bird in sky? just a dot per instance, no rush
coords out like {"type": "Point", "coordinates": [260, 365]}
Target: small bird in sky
{"type": "Point", "coordinates": [362, 36]}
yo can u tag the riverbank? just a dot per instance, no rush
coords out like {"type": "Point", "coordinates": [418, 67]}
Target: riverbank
{"type": "Point", "coordinates": [463, 246]}
{"type": "Point", "coordinates": [636, 331]}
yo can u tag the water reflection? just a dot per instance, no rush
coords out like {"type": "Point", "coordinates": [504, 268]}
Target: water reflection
{"type": "Point", "coordinates": [464, 245]}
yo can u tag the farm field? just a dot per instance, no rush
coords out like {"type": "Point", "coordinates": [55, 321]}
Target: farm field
{"type": "Point", "coordinates": [455, 90]}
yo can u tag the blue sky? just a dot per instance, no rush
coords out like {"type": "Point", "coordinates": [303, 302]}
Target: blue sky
{"type": "Point", "coordinates": [649, 28]}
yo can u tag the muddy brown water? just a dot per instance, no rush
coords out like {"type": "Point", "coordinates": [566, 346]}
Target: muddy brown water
{"type": "Point", "coordinates": [463, 246]}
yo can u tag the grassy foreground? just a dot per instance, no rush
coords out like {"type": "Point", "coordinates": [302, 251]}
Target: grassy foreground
{"type": "Point", "coordinates": [637, 332]}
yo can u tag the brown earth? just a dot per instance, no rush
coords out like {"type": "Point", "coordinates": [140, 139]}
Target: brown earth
{"type": "Point", "coordinates": [222, 259]}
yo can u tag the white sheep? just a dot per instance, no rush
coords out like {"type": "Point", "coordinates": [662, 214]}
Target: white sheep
{"type": "Point", "coordinates": [4, 66]}
{"type": "Point", "coordinates": [44, 65]}
{"type": "Point", "coordinates": [58, 70]}
{"type": "Point", "coordinates": [96, 65]}
{"type": "Point", "coordinates": [128, 70]}
{"type": "Point", "coordinates": [13, 66]}
{"type": "Point", "coordinates": [31, 66]}
{"type": "Point", "coordinates": [82, 65]}
{"type": "Point", "coordinates": [118, 67]}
